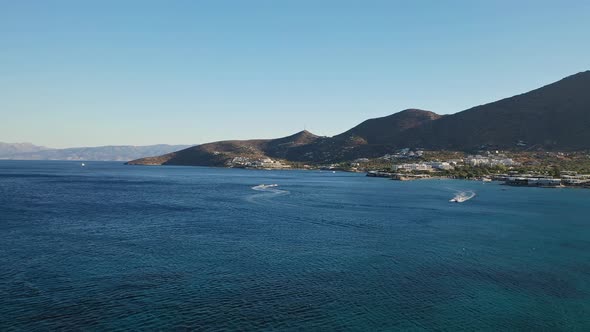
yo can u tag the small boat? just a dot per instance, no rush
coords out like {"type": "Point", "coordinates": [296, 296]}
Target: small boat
{"type": "Point", "coordinates": [83, 164]}
{"type": "Point", "coordinates": [265, 186]}
{"type": "Point", "coordinates": [457, 200]}
{"type": "Point", "coordinates": [462, 197]}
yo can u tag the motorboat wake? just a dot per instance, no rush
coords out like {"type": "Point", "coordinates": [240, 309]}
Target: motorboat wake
{"type": "Point", "coordinates": [266, 193]}
{"type": "Point", "coordinates": [263, 186]}
{"type": "Point", "coordinates": [462, 196]}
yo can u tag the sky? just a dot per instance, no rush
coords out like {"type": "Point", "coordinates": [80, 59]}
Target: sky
{"type": "Point", "coordinates": [90, 73]}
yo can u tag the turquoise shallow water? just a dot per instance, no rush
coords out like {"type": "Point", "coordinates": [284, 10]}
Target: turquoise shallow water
{"type": "Point", "coordinates": [109, 246]}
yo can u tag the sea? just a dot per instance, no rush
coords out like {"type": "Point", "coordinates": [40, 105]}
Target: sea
{"type": "Point", "coordinates": [107, 246]}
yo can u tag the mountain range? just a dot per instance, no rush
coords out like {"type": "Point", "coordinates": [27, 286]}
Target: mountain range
{"type": "Point", "coordinates": [28, 151]}
{"type": "Point", "coordinates": [553, 117]}
{"type": "Point", "coordinates": [7, 149]}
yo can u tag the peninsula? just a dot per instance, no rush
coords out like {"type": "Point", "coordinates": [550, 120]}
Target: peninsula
{"type": "Point", "coordinates": [552, 118]}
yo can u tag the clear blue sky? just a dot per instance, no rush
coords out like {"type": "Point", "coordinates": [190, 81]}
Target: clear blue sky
{"type": "Point", "coordinates": [87, 73]}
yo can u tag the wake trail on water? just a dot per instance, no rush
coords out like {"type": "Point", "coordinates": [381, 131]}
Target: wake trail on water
{"type": "Point", "coordinates": [267, 193]}
{"type": "Point", "coordinates": [462, 196]}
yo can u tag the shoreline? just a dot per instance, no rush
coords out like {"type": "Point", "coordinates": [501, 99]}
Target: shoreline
{"type": "Point", "coordinates": [505, 182]}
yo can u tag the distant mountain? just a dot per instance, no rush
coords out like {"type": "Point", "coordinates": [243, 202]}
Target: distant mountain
{"type": "Point", "coordinates": [101, 153]}
{"type": "Point", "coordinates": [8, 149]}
{"type": "Point", "coordinates": [554, 117]}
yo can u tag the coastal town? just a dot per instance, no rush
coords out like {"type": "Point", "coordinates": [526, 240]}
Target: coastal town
{"type": "Point", "coordinates": [513, 178]}
{"type": "Point", "coordinates": [515, 169]}
{"type": "Point", "coordinates": [492, 166]}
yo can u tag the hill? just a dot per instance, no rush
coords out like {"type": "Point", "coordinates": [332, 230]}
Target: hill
{"type": "Point", "coordinates": [220, 153]}
{"type": "Point", "coordinates": [390, 128]}
{"type": "Point", "coordinates": [553, 117]}
{"type": "Point", "coordinates": [372, 138]}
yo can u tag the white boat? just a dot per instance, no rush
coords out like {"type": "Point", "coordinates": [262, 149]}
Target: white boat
{"type": "Point", "coordinates": [265, 186]}
{"type": "Point", "coordinates": [458, 200]}
{"type": "Point", "coordinates": [83, 164]}
{"type": "Point", "coordinates": [462, 197]}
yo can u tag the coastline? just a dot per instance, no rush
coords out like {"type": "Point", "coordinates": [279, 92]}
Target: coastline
{"type": "Point", "coordinates": [557, 183]}
{"type": "Point", "coordinates": [517, 180]}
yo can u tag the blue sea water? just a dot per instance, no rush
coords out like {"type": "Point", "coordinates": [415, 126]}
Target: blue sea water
{"type": "Point", "coordinates": [109, 246]}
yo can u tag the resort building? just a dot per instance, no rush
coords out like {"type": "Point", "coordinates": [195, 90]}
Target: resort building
{"type": "Point", "coordinates": [430, 166]}
{"type": "Point", "coordinates": [481, 161]}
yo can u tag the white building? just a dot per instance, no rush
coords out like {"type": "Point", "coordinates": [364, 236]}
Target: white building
{"type": "Point", "coordinates": [479, 161]}
{"type": "Point", "coordinates": [425, 166]}
{"type": "Point", "coordinates": [413, 167]}
{"type": "Point", "coordinates": [442, 165]}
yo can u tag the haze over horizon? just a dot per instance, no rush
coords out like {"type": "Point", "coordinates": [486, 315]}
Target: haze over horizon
{"type": "Point", "coordinates": [139, 73]}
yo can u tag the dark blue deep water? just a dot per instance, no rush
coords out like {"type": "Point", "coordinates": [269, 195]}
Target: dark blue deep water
{"type": "Point", "coordinates": [109, 246]}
